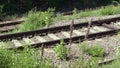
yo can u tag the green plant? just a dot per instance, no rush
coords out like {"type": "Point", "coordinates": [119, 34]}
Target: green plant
{"type": "Point", "coordinates": [107, 11]}
{"type": "Point", "coordinates": [1, 10]}
{"type": "Point", "coordinates": [1, 7]}
{"type": "Point", "coordinates": [59, 17]}
{"type": "Point", "coordinates": [115, 3]}
{"type": "Point", "coordinates": [75, 11]}
{"type": "Point", "coordinates": [116, 63]}
{"type": "Point", "coordinates": [92, 62]}
{"type": "Point", "coordinates": [27, 58]}
{"type": "Point", "coordinates": [117, 10]}
{"type": "Point", "coordinates": [89, 63]}
{"type": "Point", "coordinates": [37, 20]}
{"type": "Point", "coordinates": [61, 51]}
{"type": "Point", "coordinates": [5, 58]}
{"type": "Point", "coordinates": [95, 51]}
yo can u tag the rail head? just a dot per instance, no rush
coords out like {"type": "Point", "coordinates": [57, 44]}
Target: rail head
{"type": "Point", "coordinates": [53, 29]}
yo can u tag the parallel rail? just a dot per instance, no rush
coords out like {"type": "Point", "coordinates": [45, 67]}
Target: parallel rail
{"type": "Point", "coordinates": [55, 29]}
{"type": "Point", "coordinates": [51, 36]}
{"type": "Point", "coordinates": [18, 40]}
{"type": "Point", "coordinates": [10, 25]}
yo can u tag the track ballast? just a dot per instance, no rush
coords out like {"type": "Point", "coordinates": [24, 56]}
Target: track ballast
{"type": "Point", "coordinates": [53, 35]}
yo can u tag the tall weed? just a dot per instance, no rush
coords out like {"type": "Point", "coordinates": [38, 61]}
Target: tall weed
{"type": "Point", "coordinates": [27, 58]}
{"type": "Point", "coordinates": [37, 20]}
{"type": "Point", "coordinates": [107, 11]}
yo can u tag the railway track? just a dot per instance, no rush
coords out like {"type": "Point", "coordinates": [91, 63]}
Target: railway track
{"type": "Point", "coordinates": [7, 26]}
{"type": "Point", "coordinates": [53, 35]}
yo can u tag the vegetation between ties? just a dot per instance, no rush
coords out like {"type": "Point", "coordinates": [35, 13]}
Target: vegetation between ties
{"type": "Point", "coordinates": [61, 51]}
{"type": "Point", "coordinates": [28, 58]}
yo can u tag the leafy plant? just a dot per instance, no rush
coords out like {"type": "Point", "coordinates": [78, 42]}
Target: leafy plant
{"type": "Point", "coordinates": [27, 58]}
{"type": "Point", "coordinates": [117, 10]}
{"type": "Point", "coordinates": [59, 17]}
{"type": "Point", "coordinates": [37, 20]}
{"type": "Point", "coordinates": [89, 63]}
{"type": "Point", "coordinates": [107, 11]}
{"type": "Point", "coordinates": [61, 51]}
{"type": "Point", "coordinates": [1, 7]}
{"type": "Point", "coordinates": [75, 11]}
{"type": "Point", "coordinates": [5, 58]}
{"type": "Point", "coordinates": [1, 10]}
{"type": "Point", "coordinates": [115, 3]}
{"type": "Point", "coordinates": [92, 62]}
{"type": "Point", "coordinates": [95, 51]}
{"type": "Point", "coordinates": [116, 63]}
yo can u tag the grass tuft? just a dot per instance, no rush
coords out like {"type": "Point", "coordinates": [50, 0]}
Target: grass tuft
{"type": "Point", "coordinates": [61, 51]}
{"type": "Point", "coordinates": [27, 58]}
{"type": "Point", "coordinates": [95, 51]}
{"type": "Point", "coordinates": [107, 11]}
{"type": "Point", "coordinates": [36, 20]}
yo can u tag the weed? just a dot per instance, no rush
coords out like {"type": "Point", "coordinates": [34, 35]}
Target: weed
{"type": "Point", "coordinates": [58, 17]}
{"type": "Point", "coordinates": [27, 58]}
{"type": "Point", "coordinates": [75, 11]}
{"type": "Point", "coordinates": [1, 7]}
{"type": "Point", "coordinates": [115, 3]}
{"type": "Point", "coordinates": [1, 10]}
{"type": "Point", "coordinates": [117, 10]}
{"type": "Point", "coordinates": [37, 20]}
{"type": "Point", "coordinates": [11, 17]}
{"type": "Point", "coordinates": [5, 58]}
{"type": "Point", "coordinates": [107, 11]}
{"type": "Point", "coordinates": [92, 62]}
{"type": "Point", "coordinates": [79, 63]}
{"type": "Point", "coordinates": [116, 63]}
{"type": "Point", "coordinates": [89, 63]}
{"type": "Point", "coordinates": [95, 51]}
{"type": "Point", "coordinates": [61, 51]}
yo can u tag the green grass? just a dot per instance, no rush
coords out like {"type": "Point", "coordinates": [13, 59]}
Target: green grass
{"type": "Point", "coordinates": [91, 62]}
{"type": "Point", "coordinates": [115, 64]}
{"type": "Point", "coordinates": [109, 10]}
{"type": "Point", "coordinates": [1, 8]}
{"type": "Point", "coordinates": [27, 58]}
{"type": "Point", "coordinates": [95, 51]}
{"type": "Point", "coordinates": [36, 20]}
{"type": "Point", "coordinates": [92, 50]}
{"type": "Point", "coordinates": [61, 51]}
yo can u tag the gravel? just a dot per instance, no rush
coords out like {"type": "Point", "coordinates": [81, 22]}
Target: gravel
{"type": "Point", "coordinates": [109, 43]}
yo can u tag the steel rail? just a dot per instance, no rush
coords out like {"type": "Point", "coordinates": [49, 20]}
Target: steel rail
{"type": "Point", "coordinates": [8, 23]}
{"type": "Point", "coordinates": [55, 29]}
{"type": "Point", "coordinates": [78, 38]}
